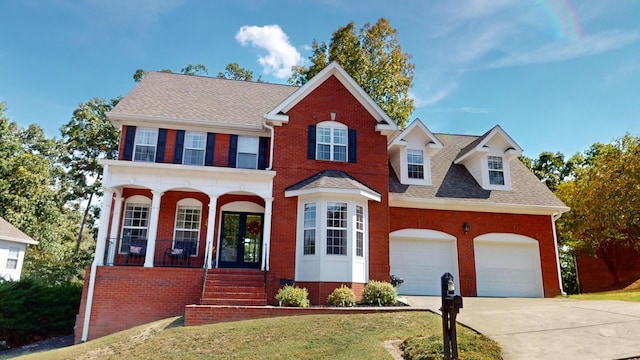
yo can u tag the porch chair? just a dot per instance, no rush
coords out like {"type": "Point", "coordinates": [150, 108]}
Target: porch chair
{"type": "Point", "coordinates": [177, 255]}
{"type": "Point", "coordinates": [137, 250]}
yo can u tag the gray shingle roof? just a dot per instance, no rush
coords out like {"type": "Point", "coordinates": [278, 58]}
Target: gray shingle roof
{"type": "Point", "coordinates": [9, 232]}
{"type": "Point", "coordinates": [187, 97]}
{"type": "Point", "coordinates": [331, 179]}
{"type": "Point", "coordinates": [455, 183]}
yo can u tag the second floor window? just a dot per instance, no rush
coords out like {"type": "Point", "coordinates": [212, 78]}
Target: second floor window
{"type": "Point", "coordinates": [331, 143]}
{"type": "Point", "coordinates": [247, 152]}
{"type": "Point", "coordinates": [415, 163]}
{"type": "Point", "coordinates": [194, 148]}
{"type": "Point", "coordinates": [496, 170]}
{"type": "Point", "coordinates": [145, 146]}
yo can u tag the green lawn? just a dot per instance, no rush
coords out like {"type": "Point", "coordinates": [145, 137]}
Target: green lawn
{"type": "Point", "coordinates": [625, 295]}
{"type": "Point", "coordinates": [358, 336]}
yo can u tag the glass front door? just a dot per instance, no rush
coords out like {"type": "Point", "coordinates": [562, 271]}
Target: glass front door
{"type": "Point", "coordinates": [241, 240]}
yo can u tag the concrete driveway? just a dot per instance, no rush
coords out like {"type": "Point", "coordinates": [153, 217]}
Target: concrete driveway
{"type": "Point", "coordinates": [551, 328]}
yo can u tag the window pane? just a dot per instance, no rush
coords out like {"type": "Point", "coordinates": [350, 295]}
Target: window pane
{"type": "Point", "coordinates": [496, 178]}
{"type": "Point", "coordinates": [309, 229]}
{"type": "Point", "coordinates": [340, 136]}
{"type": "Point", "coordinates": [415, 157]}
{"type": "Point", "coordinates": [340, 153]}
{"type": "Point", "coordinates": [359, 231]}
{"type": "Point", "coordinates": [496, 173]}
{"type": "Point", "coordinates": [324, 152]}
{"type": "Point", "coordinates": [416, 171]}
{"type": "Point", "coordinates": [187, 229]}
{"type": "Point", "coordinates": [12, 264]}
{"type": "Point", "coordinates": [134, 225]}
{"type": "Point", "coordinates": [193, 157]}
{"type": "Point", "coordinates": [495, 163]}
{"type": "Point", "coordinates": [247, 161]}
{"type": "Point", "coordinates": [248, 144]}
{"type": "Point", "coordinates": [145, 153]}
{"type": "Point", "coordinates": [324, 135]}
{"type": "Point", "coordinates": [336, 228]}
{"type": "Point", "coordinates": [194, 140]}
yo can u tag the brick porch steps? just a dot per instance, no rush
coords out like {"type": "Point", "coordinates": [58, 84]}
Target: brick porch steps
{"type": "Point", "coordinates": [234, 287]}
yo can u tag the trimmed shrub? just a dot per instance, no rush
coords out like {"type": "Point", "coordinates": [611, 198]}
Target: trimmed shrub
{"type": "Point", "coordinates": [31, 311]}
{"type": "Point", "coordinates": [379, 293]}
{"type": "Point", "coordinates": [293, 296]}
{"type": "Point", "coordinates": [342, 296]}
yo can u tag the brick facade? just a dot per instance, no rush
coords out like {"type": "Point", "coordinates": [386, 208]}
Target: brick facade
{"type": "Point", "coordinates": [595, 277]}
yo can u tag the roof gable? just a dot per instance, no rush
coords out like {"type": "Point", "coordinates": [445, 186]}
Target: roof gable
{"type": "Point", "coordinates": [497, 137]}
{"type": "Point", "coordinates": [417, 128]}
{"type": "Point", "coordinates": [278, 115]}
{"type": "Point", "coordinates": [9, 232]}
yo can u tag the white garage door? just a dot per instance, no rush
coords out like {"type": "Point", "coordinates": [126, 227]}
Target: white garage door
{"type": "Point", "coordinates": [507, 265]}
{"type": "Point", "coordinates": [420, 257]}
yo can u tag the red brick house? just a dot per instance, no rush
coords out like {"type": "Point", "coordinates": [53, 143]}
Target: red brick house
{"type": "Point", "coordinates": [226, 190]}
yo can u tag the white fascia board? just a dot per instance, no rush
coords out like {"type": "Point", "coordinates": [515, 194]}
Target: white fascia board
{"type": "Point", "coordinates": [366, 194]}
{"type": "Point", "coordinates": [497, 130]}
{"type": "Point", "coordinates": [120, 119]}
{"type": "Point", "coordinates": [452, 205]}
{"type": "Point", "coordinates": [276, 119]}
{"type": "Point", "coordinates": [469, 153]}
{"type": "Point", "coordinates": [16, 240]}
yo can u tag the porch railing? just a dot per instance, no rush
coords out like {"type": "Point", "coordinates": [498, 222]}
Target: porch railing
{"type": "Point", "coordinates": [167, 252]}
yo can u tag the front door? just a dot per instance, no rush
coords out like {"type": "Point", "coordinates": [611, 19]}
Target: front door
{"type": "Point", "coordinates": [241, 240]}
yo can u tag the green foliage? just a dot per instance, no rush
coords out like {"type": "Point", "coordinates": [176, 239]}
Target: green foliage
{"type": "Point", "coordinates": [236, 72]}
{"type": "Point", "coordinates": [293, 296]}
{"type": "Point", "coordinates": [470, 347]}
{"type": "Point", "coordinates": [374, 58]}
{"type": "Point", "coordinates": [551, 168]}
{"type": "Point", "coordinates": [568, 270]}
{"type": "Point", "coordinates": [31, 310]}
{"type": "Point", "coordinates": [342, 296]}
{"type": "Point", "coordinates": [379, 293]}
{"type": "Point", "coordinates": [603, 194]}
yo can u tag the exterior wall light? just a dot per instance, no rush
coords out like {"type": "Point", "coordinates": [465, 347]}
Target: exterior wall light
{"type": "Point", "coordinates": [466, 227]}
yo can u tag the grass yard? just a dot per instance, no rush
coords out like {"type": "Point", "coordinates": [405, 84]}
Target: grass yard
{"type": "Point", "coordinates": [357, 336]}
{"type": "Point", "coordinates": [624, 295]}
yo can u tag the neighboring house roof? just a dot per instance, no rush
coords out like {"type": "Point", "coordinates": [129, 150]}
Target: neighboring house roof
{"type": "Point", "coordinates": [454, 188]}
{"type": "Point", "coordinates": [333, 181]}
{"type": "Point", "coordinates": [197, 100]}
{"type": "Point", "coordinates": [9, 232]}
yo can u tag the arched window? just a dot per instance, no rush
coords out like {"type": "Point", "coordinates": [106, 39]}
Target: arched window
{"type": "Point", "coordinates": [187, 229]}
{"type": "Point", "coordinates": [135, 223]}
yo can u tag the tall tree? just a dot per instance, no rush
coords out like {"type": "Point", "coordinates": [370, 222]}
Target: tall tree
{"type": "Point", "coordinates": [551, 168]}
{"type": "Point", "coordinates": [604, 219]}
{"type": "Point", "coordinates": [236, 72]}
{"type": "Point", "coordinates": [88, 137]}
{"type": "Point", "coordinates": [32, 199]}
{"type": "Point", "coordinates": [374, 58]}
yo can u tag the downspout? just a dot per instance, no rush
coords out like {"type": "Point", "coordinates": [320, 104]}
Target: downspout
{"type": "Point", "coordinates": [555, 217]}
{"type": "Point", "coordinates": [271, 144]}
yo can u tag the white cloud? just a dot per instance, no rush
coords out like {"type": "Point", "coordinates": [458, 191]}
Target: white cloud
{"type": "Point", "coordinates": [433, 97]}
{"type": "Point", "coordinates": [281, 55]}
{"type": "Point", "coordinates": [562, 51]}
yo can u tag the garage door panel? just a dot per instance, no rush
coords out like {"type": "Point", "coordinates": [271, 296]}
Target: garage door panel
{"type": "Point", "coordinates": [508, 269]}
{"type": "Point", "coordinates": [421, 263]}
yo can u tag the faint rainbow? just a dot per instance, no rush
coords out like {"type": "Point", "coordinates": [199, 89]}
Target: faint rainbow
{"type": "Point", "coordinates": [564, 19]}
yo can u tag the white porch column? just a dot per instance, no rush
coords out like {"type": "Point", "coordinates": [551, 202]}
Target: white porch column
{"type": "Point", "coordinates": [211, 224]}
{"type": "Point", "coordinates": [266, 233]}
{"type": "Point", "coordinates": [115, 227]}
{"type": "Point", "coordinates": [153, 228]}
{"type": "Point", "coordinates": [105, 211]}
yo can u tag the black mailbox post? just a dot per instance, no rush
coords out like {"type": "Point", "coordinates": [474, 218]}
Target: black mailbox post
{"type": "Point", "coordinates": [451, 305]}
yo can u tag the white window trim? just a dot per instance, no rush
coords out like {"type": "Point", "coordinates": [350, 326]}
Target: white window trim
{"type": "Point", "coordinates": [16, 251]}
{"type": "Point", "coordinates": [187, 147]}
{"type": "Point", "coordinates": [332, 267]}
{"type": "Point", "coordinates": [333, 126]}
{"type": "Point", "coordinates": [426, 167]}
{"type": "Point", "coordinates": [311, 228]}
{"type": "Point", "coordinates": [154, 143]}
{"type": "Point", "coordinates": [188, 203]}
{"type": "Point", "coordinates": [138, 200]}
{"type": "Point", "coordinates": [505, 171]}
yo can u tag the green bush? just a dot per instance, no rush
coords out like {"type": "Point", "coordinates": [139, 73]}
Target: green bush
{"type": "Point", "coordinates": [293, 296]}
{"type": "Point", "coordinates": [31, 311]}
{"type": "Point", "coordinates": [342, 296]}
{"type": "Point", "coordinates": [379, 293]}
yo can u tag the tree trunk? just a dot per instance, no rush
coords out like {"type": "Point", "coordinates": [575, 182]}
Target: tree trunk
{"type": "Point", "coordinates": [84, 220]}
{"type": "Point", "coordinates": [611, 257]}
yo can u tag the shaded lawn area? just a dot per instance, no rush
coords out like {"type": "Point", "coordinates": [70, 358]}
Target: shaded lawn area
{"type": "Point", "coordinates": [357, 336]}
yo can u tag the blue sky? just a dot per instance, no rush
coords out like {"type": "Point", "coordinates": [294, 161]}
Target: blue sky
{"type": "Point", "coordinates": [557, 75]}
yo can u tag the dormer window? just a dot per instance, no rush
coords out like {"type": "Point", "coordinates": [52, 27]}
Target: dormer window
{"type": "Point", "coordinates": [331, 143]}
{"type": "Point", "coordinates": [415, 164]}
{"type": "Point", "coordinates": [496, 170]}
{"type": "Point", "coordinates": [145, 145]}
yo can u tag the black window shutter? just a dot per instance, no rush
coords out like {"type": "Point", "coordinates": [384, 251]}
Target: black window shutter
{"type": "Point", "coordinates": [311, 142]}
{"type": "Point", "coordinates": [129, 141]}
{"type": "Point", "coordinates": [208, 155]}
{"type": "Point", "coordinates": [353, 145]}
{"type": "Point", "coordinates": [162, 142]}
{"type": "Point", "coordinates": [262, 153]}
{"type": "Point", "coordinates": [177, 153]}
{"type": "Point", "coordinates": [233, 148]}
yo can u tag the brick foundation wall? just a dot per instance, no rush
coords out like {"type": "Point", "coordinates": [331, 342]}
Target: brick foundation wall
{"type": "Point", "coordinates": [538, 227]}
{"type": "Point", "coordinates": [128, 296]}
{"type": "Point", "coordinates": [595, 277]}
